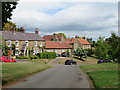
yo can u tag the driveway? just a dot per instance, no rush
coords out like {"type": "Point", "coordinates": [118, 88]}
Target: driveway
{"type": "Point", "coordinates": [60, 76]}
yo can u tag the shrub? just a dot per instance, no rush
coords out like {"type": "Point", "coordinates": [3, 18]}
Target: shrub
{"type": "Point", "coordinates": [20, 57]}
{"type": "Point", "coordinates": [46, 55]}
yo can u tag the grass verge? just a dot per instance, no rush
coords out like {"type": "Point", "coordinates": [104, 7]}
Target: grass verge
{"type": "Point", "coordinates": [14, 71]}
{"type": "Point", "coordinates": [103, 75]}
{"type": "Point", "coordinates": [40, 61]}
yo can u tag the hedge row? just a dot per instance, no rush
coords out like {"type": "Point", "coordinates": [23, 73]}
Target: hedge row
{"type": "Point", "coordinates": [43, 55]}
{"type": "Point", "coordinates": [46, 55]}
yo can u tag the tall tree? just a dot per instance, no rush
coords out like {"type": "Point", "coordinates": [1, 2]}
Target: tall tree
{"type": "Point", "coordinates": [7, 9]}
{"type": "Point", "coordinates": [80, 52]}
{"type": "Point", "coordinates": [102, 49]}
{"type": "Point", "coordinates": [114, 42]}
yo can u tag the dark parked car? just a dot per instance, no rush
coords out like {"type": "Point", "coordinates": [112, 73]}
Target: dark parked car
{"type": "Point", "coordinates": [104, 61]}
{"type": "Point", "coordinates": [70, 62]}
{"type": "Point", "coordinates": [107, 61]}
{"type": "Point", "coordinates": [65, 54]}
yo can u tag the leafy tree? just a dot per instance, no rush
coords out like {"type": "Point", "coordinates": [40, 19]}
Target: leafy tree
{"type": "Point", "coordinates": [81, 53]}
{"type": "Point", "coordinates": [60, 34]}
{"type": "Point", "coordinates": [114, 51]}
{"type": "Point", "coordinates": [7, 9]}
{"type": "Point", "coordinates": [10, 26]}
{"type": "Point", "coordinates": [102, 49]}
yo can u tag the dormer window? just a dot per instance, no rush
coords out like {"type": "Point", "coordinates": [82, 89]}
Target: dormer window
{"type": "Point", "coordinates": [9, 43]}
{"type": "Point", "coordinates": [17, 43]}
{"type": "Point", "coordinates": [35, 43]}
{"type": "Point", "coordinates": [26, 43]}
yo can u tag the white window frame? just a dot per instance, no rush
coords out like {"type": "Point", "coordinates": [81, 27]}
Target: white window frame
{"type": "Point", "coordinates": [17, 43]}
{"type": "Point", "coordinates": [36, 51]}
{"type": "Point", "coordinates": [35, 43]}
{"type": "Point", "coordinates": [63, 50]}
{"type": "Point", "coordinates": [9, 43]}
{"type": "Point", "coordinates": [26, 43]}
{"type": "Point", "coordinates": [40, 50]}
{"type": "Point", "coordinates": [40, 44]}
{"type": "Point", "coordinates": [16, 49]}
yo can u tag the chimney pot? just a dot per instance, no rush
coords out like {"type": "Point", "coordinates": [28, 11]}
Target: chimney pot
{"type": "Point", "coordinates": [22, 30]}
{"type": "Point", "coordinates": [36, 31]}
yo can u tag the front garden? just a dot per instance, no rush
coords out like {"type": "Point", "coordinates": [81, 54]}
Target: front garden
{"type": "Point", "coordinates": [103, 75]}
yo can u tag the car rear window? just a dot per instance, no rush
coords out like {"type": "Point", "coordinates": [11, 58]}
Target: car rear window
{"type": "Point", "coordinates": [7, 58]}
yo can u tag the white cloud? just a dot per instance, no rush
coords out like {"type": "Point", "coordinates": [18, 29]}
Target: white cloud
{"type": "Point", "coordinates": [93, 19]}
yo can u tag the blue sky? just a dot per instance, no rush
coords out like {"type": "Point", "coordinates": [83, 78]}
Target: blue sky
{"type": "Point", "coordinates": [90, 19]}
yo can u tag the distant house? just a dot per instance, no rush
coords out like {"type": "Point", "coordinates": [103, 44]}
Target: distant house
{"type": "Point", "coordinates": [23, 41]}
{"type": "Point", "coordinates": [75, 43]}
{"type": "Point", "coordinates": [71, 42]}
{"type": "Point", "coordinates": [53, 37]}
{"type": "Point", "coordinates": [81, 43]}
{"type": "Point", "coordinates": [57, 46]}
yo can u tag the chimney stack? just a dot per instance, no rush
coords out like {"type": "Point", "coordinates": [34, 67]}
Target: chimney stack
{"type": "Point", "coordinates": [22, 30]}
{"type": "Point", "coordinates": [36, 31]}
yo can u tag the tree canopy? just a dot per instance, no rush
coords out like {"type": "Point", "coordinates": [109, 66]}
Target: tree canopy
{"type": "Point", "coordinates": [7, 9]}
{"type": "Point", "coordinates": [10, 26]}
{"type": "Point", "coordinates": [60, 34]}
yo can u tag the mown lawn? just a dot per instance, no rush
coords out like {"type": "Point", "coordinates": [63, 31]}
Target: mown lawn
{"type": "Point", "coordinates": [103, 75]}
{"type": "Point", "coordinates": [104, 79]}
{"type": "Point", "coordinates": [40, 61]}
{"type": "Point", "coordinates": [14, 71]}
{"type": "Point", "coordinates": [88, 60]}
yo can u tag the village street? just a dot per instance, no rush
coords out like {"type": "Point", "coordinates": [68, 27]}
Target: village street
{"type": "Point", "coordinates": [59, 76]}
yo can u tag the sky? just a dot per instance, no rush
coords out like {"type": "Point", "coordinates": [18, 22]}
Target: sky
{"type": "Point", "coordinates": [90, 19]}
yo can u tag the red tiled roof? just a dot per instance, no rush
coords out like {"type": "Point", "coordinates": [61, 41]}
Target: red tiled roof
{"type": "Point", "coordinates": [70, 40]}
{"type": "Point", "coordinates": [50, 37]}
{"type": "Point", "coordinates": [57, 44]}
{"type": "Point", "coordinates": [83, 41]}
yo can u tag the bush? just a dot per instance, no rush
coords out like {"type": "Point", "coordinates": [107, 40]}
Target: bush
{"type": "Point", "coordinates": [46, 55]}
{"type": "Point", "coordinates": [20, 57]}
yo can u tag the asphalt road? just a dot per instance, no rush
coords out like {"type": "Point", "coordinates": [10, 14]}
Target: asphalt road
{"type": "Point", "coordinates": [60, 76]}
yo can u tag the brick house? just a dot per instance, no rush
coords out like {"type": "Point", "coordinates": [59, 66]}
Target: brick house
{"type": "Point", "coordinates": [57, 46]}
{"type": "Point", "coordinates": [24, 41]}
{"type": "Point", "coordinates": [75, 43]}
{"type": "Point", "coordinates": [81, 43]}
{"type": "Point", "coordinates": [53, 37]}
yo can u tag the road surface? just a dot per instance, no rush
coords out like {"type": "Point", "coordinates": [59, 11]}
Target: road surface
{"type": "Point", "coordinates": [60, 76]}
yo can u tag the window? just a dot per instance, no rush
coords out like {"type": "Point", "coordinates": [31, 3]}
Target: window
{"type": "Point", "coordinates": [36, 51]}
{"type": "Point", "coordinates": [16, 43]}
{"type": "Point", "coordinates": [48, 50]}
{"type": "Point", "coordinates": [35, 43]}
{"type": "Point", "coordinates": [40, 50]}
{"type": "Point", "coordinates": [26, 43]}
{"type": "Point", "coordinates": [40, 44]}
{"type": "Point", "coordinates": [16, 52]}
{"type": "Point", "coordinates": [63, 50]}
{"type": "Point", "coordinates": [9, 43]}
{"type": "Point", "coordinates": [56, 51]}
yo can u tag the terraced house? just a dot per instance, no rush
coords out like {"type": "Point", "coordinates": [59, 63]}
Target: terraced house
{"type": "Point", "coordinates": [24, 41]}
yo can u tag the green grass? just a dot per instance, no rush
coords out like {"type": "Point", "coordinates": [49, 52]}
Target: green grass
{"type": "Point", "coordinates": [40, 61]}
{"type": "Point", "coordinates": [103, 66]}
{"type": "Point", "coordinates": [104, 79]}
{"type": "Point", "coordinates": [14, 71]}
{"type": "Point", "coordinates": [88, 60]}
{"type": "Point", "coordinates": [103, 75]}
